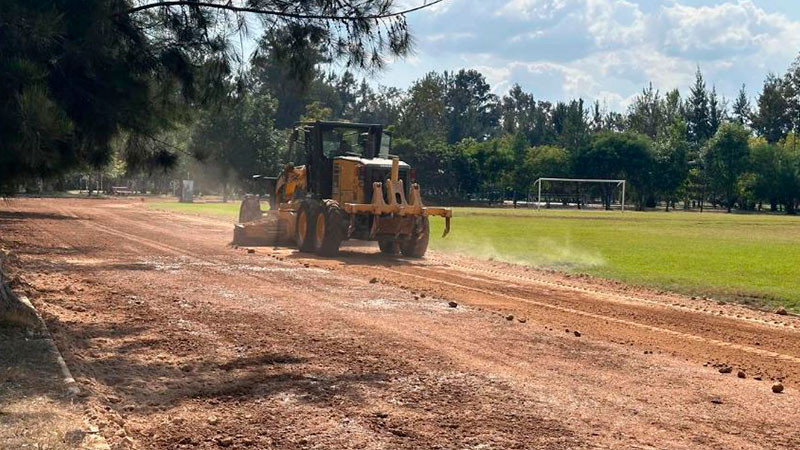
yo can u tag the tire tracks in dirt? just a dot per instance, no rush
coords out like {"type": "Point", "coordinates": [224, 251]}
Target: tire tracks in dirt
{"type": "Point", "coordinates": [612, 296]}
{"type": "Point", "coordinates": [494, 379]}
{"type": "Point", "coordinates": [426, 273]}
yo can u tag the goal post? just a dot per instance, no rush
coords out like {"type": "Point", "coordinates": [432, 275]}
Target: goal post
{"type": "Point", "coordinates": [619, 183]}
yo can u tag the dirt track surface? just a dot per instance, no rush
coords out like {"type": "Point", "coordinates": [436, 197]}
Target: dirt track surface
{"type": "Point", "coordinates": [179, 340]}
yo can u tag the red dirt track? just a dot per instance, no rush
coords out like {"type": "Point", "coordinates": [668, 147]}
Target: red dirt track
{"type": "Point", "coordinates": [179, 340]}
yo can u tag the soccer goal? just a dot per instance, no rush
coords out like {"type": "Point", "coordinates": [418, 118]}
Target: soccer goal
{"type": "Point", "coordinates": [619, 184]}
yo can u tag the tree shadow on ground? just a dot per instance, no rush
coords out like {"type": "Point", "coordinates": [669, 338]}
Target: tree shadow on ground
{"type": "Point", "coordinates": [35, 405]}
{"type": "Point", "coordinates": [132, 370]}
{"type": "Point", "coordinates": [17, 216]}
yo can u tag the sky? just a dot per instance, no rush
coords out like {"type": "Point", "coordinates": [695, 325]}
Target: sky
{"type": "Point", "coordinates": [606, 50]}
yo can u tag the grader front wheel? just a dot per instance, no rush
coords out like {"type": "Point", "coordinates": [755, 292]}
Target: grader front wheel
{"type": "Point", "coordinates": [304, 227]}
{"type": "Point", "coordinates": [330, 228]}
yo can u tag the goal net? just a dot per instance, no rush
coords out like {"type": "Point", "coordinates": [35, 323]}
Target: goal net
{"type": "Point", "coordinates": [580, 192]}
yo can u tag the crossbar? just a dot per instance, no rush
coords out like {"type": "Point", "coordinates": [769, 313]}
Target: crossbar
{"type": "Point", "coordinates": [580, 180]}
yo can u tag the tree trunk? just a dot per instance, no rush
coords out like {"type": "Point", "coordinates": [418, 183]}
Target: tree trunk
{"type": "Point", "coordinates": [729, 202]}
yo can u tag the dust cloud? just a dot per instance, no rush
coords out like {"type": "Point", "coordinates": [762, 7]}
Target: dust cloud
{"type": "Point", "coordinates": [545, 253]}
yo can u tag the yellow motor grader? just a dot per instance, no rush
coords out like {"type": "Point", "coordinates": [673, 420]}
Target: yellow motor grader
{"type": "Point", "coordinates": [350, 187]}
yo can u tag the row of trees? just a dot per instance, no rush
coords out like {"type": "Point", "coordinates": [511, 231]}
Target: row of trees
{"type": "Point", "coordinates": [155, 87]}
{"type": "Point", "coordinates": [468, 143]}
{"type": "Point", "coordinates": [85, 83]}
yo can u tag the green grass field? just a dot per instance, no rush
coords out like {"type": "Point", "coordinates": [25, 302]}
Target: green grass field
{"type": "Point", "coordinates": [217, 209]}
{"type": "Point", "coordinates": [751, 258]}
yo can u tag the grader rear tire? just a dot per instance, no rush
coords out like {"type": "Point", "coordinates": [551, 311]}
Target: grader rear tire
{"type": "Point", "coordinates": [417, 243]}
{"type": "Point", "coordinates": [330, 228]}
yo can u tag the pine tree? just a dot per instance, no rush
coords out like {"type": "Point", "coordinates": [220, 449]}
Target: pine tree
{"type": "Point", "coordinates": [716, 111]}
{"type": "Point", "coordinates": [697, 112]}
{"type": "Point", "coordinates": [699, 131]}
{"type": "Point", "coordinates": [597, 117]}
{"type": "Point", "coordinates": [792, 93]}
{"type": "Point", "coordinates": [79, 75]}
{"type": "Point", "coordinates": [773, 120]}
{"type": "Point", "coordinates": [742, 111]}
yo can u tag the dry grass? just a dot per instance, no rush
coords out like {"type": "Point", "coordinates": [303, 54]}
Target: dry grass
{"type": "Point", "coordinates": [36, 411]}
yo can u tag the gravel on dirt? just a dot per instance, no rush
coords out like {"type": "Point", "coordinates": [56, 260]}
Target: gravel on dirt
{"type": "Point", "coordinates": [311, 354]}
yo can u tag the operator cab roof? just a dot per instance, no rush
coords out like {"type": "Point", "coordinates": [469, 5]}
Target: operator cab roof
{"type": "Point", "coordinates": [333, 124]}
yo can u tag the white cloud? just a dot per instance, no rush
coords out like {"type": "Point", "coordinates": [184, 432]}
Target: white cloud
{"type": "Point", "coordinates": [529, 36]}
{"type": "Point", "coordinates": [615, 22]}
{"type": "Point", "coordinates": [532, 9]}
{"type": "Point", "coordinates": [449, 36]}
{"type": "Point", "coordinates": [726, 29]}
{"type": "Point", "coordinates": [608, 49]}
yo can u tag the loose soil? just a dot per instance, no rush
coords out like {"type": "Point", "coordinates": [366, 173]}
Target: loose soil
{"type": "Point", "coordinates": [180, 340]}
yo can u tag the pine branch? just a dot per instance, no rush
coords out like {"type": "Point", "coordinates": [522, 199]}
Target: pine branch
{"type": "Point", "coordinates": [230, 7]}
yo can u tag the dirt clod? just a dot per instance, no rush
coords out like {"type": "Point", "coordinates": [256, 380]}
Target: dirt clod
{"type": "Point", "coordinates": [777, 388]}
{"type": "Point", "coordinates": [577, 333]}
{"type": "Point", "coordinates": [510, 317]}
{"type": "Point", "coordinates": [213, 420]}
{"type": "Point", "coordinates": [716, 400]}
{"type": "Point", "coordinates": [725, 369]}
{"type": "Point", "coordinates": [781, 311]}
{"type": "Point", "coordinates": [522, 320]}
{"type": "Point", "coordinates": [741, 374]}
{"type": "Point", "coordinates": [251, 250]}
{"type": "Point", "coordinates": [452, 304]}
{"type": "Point", "coordinates": [373, 281]}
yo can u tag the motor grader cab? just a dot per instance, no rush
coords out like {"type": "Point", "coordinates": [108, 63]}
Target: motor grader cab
{"type": "Point", "coordinates": [350, 187]}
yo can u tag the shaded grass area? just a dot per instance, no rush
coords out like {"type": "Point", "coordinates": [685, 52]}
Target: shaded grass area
{"type": "Point", "coordinates": [745, 257]}
{"type": "Point", "coordinates": [751, 258]}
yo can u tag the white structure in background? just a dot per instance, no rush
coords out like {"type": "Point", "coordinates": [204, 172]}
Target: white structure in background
{"type": "Point", "coordinates": [578, 180]}
{"type": "Point", "coordinates": [187, 191]}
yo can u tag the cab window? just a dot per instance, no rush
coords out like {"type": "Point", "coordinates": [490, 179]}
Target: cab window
{"type": "Point", "coordinates": [386, 146]}
{"type": "Point", "coordinates": [343, 142]}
